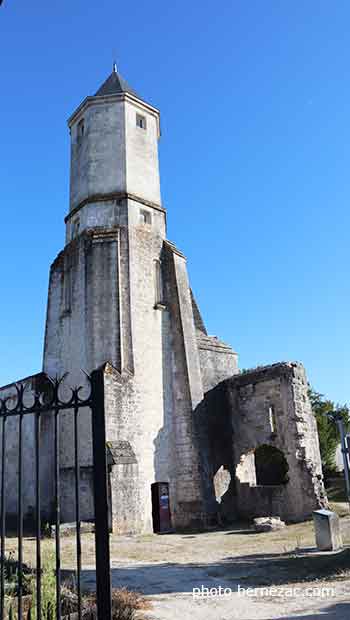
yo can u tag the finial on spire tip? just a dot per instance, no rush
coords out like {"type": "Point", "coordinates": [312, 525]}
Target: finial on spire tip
{"type": "Point", "coordinates": [114, 67]}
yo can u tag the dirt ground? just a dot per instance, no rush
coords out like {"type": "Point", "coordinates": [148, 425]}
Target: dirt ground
{"type": "Point", "coordinates": [224, 575]}
{"type": "Point", "coordinates": [168, 568]}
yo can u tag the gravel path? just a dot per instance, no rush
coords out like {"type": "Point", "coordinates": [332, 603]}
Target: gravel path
{"type": "Point", "coordinates": [167, 569]}
{"type": "Point", "coordinates": [170, 590]}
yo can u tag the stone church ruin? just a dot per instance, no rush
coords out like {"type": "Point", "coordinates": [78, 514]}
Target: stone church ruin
{"type": "Point", "coordinates": [224, 444]}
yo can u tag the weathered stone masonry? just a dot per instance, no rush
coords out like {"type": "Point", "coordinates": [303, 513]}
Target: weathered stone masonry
{"type": "Point", "coordinates": [178, 409]}
{"type": "Point", "coordinates": [239, 410]}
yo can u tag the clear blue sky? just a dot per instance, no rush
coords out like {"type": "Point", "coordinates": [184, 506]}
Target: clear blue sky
{"type": "Point", "coordinates": [255, 158]}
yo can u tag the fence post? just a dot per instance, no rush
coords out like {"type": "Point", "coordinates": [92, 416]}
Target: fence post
{"type": "Point", "coordinates": [103, 574]}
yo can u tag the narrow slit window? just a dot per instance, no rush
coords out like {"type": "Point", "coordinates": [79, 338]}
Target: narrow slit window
{"type": "Point", "coordinates": [158, 285]}
{"type": "Point", "coordinates": [272, 419]}
{"type": "Point", "coordinates": [140, 121]}
{"type": "Point", "coordinates": [75, 228]}
{"type": "Point", "coordinates": [68, 290]}
{"type": "Point", "coordinates": [80, 130]}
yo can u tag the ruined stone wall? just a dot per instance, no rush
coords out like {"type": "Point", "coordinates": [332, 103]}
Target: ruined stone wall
{"type": "Point", "coordinates": [281, 391]}
{"type": "Point", "coordinates": [213, 423]}
{"type": "Point", "coordinates": [268, 406]}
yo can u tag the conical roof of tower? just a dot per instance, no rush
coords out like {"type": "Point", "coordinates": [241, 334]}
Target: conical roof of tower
{"type": "Point", "coordinates": [114, 85]}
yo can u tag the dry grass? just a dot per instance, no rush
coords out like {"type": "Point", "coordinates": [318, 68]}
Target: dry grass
{"type": "Point", "coordinates": [125, 604]}
{"type": "Point", "coordinates": [274, 557]}
{"type": "Point", "coordinates": [181, 548]}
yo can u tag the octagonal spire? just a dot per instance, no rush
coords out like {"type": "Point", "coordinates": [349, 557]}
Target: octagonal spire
{"type": "Point", "coordinates": [114, 85]}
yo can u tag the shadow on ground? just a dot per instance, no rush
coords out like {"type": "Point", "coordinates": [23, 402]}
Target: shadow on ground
{"type": "Point", "coordinates": [252, 571]}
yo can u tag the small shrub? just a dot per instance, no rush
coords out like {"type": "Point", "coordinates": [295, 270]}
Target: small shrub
{"type": "Point", "coordinates": [124, 605]}
{"type": "Point", "coordinates": [11, 577]}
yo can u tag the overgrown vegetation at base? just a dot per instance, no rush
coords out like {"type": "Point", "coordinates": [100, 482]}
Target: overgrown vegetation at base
{"type": "Point", "coordinates": [125, 604]}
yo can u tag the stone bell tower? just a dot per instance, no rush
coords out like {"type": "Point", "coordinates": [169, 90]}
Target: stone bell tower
{"type": "Point", "coordinates": [119, 294]}
{"type": "Point", "coordinates": [114, 156]}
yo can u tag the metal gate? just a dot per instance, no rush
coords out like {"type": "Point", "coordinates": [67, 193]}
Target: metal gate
{"type": "Point", "coordinates": [53, 405]}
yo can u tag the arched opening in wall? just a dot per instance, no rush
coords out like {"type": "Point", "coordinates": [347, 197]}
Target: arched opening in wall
{"type": "Point", "coordinates": [271, 467]}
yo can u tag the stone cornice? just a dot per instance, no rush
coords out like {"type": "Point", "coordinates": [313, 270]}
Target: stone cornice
{"type": "Point", "coordinates": [113, 196]}
{"type": "Point", "coordinates": [172, 247]}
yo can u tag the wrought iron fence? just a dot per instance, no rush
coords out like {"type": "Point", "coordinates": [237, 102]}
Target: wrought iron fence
{"type": "Point", "coordinates": [51, 403]}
